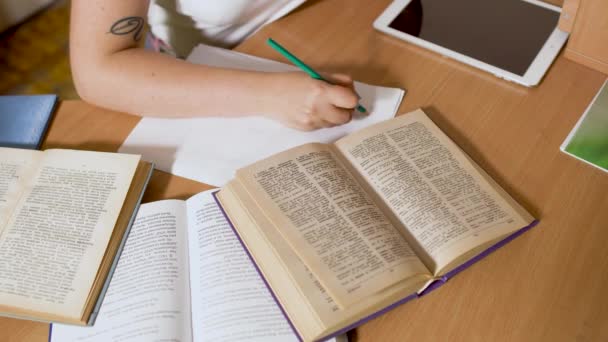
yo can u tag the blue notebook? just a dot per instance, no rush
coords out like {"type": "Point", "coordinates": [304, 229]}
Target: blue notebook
{"type": "Point", "coordinates": [25, 119]}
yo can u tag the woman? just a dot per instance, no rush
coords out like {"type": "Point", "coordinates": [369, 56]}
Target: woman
{"type": "Point", "coordinates": [112, 69]}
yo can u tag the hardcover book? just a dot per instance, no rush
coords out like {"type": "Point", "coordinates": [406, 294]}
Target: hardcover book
{"type": "Point", "coordinates": [24, 120]}
{"type": "Point", "coordinates": [64, 216]}
{"type": "Point", "coordinates": [343, 232]}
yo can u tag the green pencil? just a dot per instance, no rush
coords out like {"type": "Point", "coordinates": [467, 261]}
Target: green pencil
{"type": "Point", "coordinates": [295, 60]}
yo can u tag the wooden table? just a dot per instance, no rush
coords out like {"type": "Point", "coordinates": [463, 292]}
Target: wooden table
{"type": "Point", "coordinates": [550, 284]}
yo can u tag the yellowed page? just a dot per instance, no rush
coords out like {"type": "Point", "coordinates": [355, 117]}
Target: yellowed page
{"type": "Point", "coordinates": [330, 222]}
{"type": "Point", "coordinates": [58, 233]}
{"type": "Point", "coordinates": [15, 165]}
{"type": "Point", "coordinates": [251, 234]}
{"type": "Point", "coordinates": [446, 204]}
{"type": "Point", "coordinates": [311, 309]}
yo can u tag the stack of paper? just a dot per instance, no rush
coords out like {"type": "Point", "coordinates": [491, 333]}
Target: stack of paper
{"type": "Point", "coordinates": [210, 150]}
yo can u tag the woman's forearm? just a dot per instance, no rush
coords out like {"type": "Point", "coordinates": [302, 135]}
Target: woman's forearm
{"type": "Point", "coordinates": [112, 70]}
{"type": "Point", "coordinates": [151, 84]}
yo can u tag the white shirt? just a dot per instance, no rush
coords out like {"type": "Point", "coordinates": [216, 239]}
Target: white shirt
{"type": "Point", "coordinates": [183, 24]}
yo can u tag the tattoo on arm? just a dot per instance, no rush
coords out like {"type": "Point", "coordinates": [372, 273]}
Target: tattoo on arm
{"type": "Point", "coordinates": [128, 25]}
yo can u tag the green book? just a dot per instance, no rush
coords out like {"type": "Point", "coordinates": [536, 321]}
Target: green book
{"type": "Point", "coordinates": [588, 140]}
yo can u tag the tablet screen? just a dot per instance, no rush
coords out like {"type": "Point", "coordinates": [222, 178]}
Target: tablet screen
{"type": "Point", "coordinates": [507, 34]}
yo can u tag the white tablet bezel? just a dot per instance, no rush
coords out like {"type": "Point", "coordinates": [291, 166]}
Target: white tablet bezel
{"type": "Point", "coordinates": [533, 74]}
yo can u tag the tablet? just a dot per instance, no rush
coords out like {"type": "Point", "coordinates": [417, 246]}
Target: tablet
{"type": "Point", "coordinates": [513, 39]}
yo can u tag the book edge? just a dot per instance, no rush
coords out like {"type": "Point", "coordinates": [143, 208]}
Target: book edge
{"type": "Point", "coordinates": [293, 328]}
{"type": "Point", "coordinates": [274, 297]}
{"type": "Point", "coordinates": [563, 150]}
{"type": "Point", "coordinates": [582, 118]}
{"type": "Point", "coordinates": [433, 286]}
{"type": "Point", "coordinates": [485, 253]}
{"type": "Point", "coordinates": [50, 115]}
{"type": "Point", "coordinates": [95, 312]}
{"type": "Point", "coordinates": [370, 317]}
{"type": "Point", "coordinates": [437, 283]}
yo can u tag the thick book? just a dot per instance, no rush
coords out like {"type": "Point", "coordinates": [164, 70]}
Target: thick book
{"type": "Point", "coordinates": [183, 276]}
{"type": "Point", "coordinates": [24, 120]}
{"type": "Point", "coordinates": [343, 232]}
{"type": "Point", "coordinates": [588, 140]}
{"type": "Point", "coordinates": [64, 216]}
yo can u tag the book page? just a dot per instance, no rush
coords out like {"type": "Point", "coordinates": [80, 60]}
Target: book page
{"type": "Point", "coordinates": [310, 307]}
{"type": "Point", "coordinates": [15, 165]}
{"type": "Point", "coordinates": [58, 233]}
{"type": "Point", "coordinates": [148, 297]}
{"type": "Point", "coordinates": [432, 187]}
{"type": "Point", "coordinates": [330, 222]}
{"type": "Point", "coordinates": [230, 302]}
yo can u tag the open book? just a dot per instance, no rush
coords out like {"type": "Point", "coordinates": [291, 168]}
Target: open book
{"type": "Point", "coordinates": [342, 232]}
{"type": "Point", "coordinates": [64, 216]}
{"type": "Point", "coordinates": [183, 276]}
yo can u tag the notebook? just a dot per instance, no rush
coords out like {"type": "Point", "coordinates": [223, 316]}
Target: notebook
{"type": "Point", "coordinates": [588, 140]}
{"type": "Point", "coordinates": [24, 120]}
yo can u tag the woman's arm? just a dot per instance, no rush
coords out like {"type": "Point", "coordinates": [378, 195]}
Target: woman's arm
{"type": "Point", "coordinates": [111, 69]}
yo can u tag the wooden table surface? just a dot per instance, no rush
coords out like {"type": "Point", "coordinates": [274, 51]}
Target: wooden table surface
{"type": "Point", "coordinates": [550, 284]}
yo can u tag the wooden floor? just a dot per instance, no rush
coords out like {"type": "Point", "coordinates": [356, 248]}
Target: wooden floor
{"type": "Point", "coordinates": [34, 54]}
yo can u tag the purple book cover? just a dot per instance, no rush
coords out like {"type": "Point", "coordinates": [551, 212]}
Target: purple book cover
{"type": "Point", "coordinates": [433, 286]}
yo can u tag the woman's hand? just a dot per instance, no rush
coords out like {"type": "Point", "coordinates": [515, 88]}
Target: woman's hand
{"type": "Point", "coordinates": [304, 103]}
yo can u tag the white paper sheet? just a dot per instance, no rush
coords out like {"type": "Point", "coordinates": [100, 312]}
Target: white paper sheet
{"type": "Point", "coordinates": [210, 150]}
